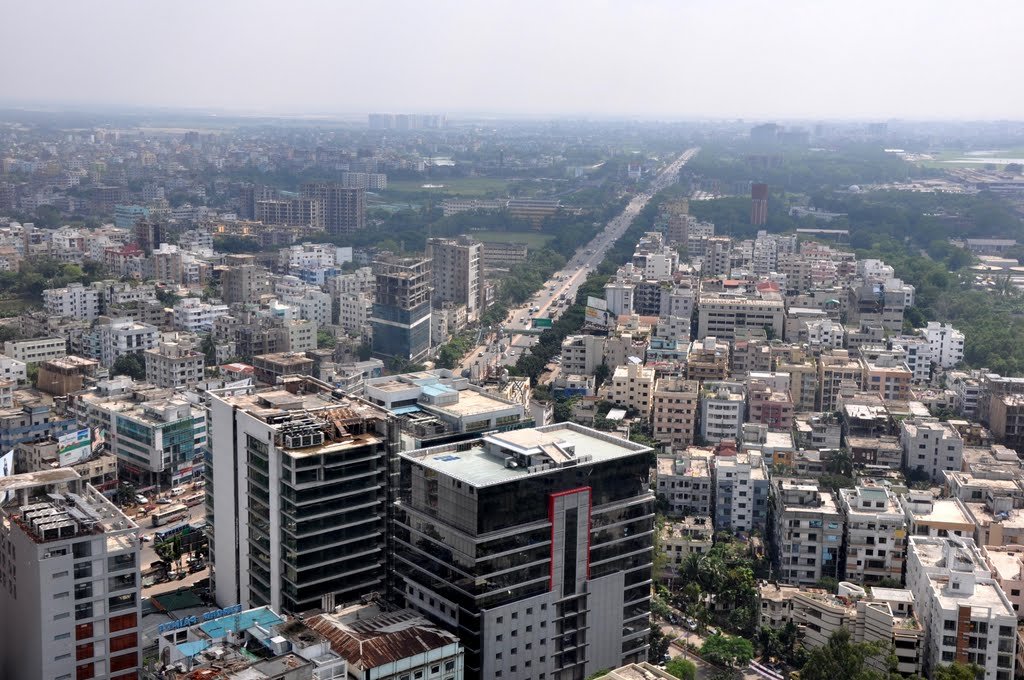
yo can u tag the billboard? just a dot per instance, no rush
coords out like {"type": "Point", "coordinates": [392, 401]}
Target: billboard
{"type": "Point", "coordinates": [596, 313]}
{"type": "Point", "coordinates": [74, 447]}
{"type": "Point", "coordinates": [540, 322]}
{"type": "Point", "coordinates": [6, 470]}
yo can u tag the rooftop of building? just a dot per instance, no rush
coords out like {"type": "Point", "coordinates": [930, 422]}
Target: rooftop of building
{"type": "Point", "coordinates": [509, 456]}
{"type": "Point", "coordinates": [58, 504]}
{"type": "Point", "coordinates": [1006, 562]}
{"type": "Point", "coordinates": [369, 637]}
{"type": "Point", "coordinates": [987, 597]}
{"type": "Point", "coordinates": [936, 511]}
{"type": "Point", "coordinates": [854, 501]}
{"type": "Point", "coordinates": [982, 515]}
{"type": "Point", "coordinates": [638, 671]}
{"type": "Point", "coordinates": [699, 527]}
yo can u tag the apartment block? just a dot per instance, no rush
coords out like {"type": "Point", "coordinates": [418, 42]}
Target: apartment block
{"type": "Point", "coordinates": [876, 531]}
{"type": "Point", "coordinates": [578, 546]}
{"type": "Point", "coordinates": [632, 387]}
{"type": "Point", "coordinates": [721, 314]}
{"type": "Point", "coordinates": [836, 372]}
{"type": "Point", "coordinates": [457, 273]}
{"type": "Point", "coordinates": [967, 616]}
{"type": "Point", "coordinates": [36, 350]}
{"type": "Point", "coordinates": [681, 538]}
{"type": "Point", "coordinates": [741, 492]}
{"type": "Point", "coordinates": [808, 531]}
{"type": "Point", "coordinates": [172, 364]}
{"type": "Point", "coordinates": [674, 413]}
{"type": "Point", "coordinates": [936, 517]}
{"type": "Point", "coordinates": [69, 580]}
{"type": "Point", "coordinates": [195, 316]}
{"type": "Point", "coordinates": [930, 447]}
{"type": "Point", "coordinates": [889, 377]}
{"type": "Point", "coordinates": [722, 411]}
{"type": "Point", "coordinates": [708, 359]}
{"type": "Point", "coordinates": [75, 301]}
{"type": "Point", "coordinates": [684, 482]}
{"type": "Point", "coordinates": [297, 495]}
{"type": "Point", "coordinates": [887, 617]}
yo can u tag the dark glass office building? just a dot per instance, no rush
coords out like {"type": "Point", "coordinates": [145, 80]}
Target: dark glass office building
{"type": "Point", "coordinates": [534, 546]}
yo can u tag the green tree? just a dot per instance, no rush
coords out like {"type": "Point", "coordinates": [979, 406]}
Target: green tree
{"type": "Point", "coordinates": [956, 671]}
{"type": "Point", "coordinates": [681, 668]}
{"type": "Point", "coordinates": [841, 658]}
{"type": "Point", "coordinates": [325, 339]}
{"type": "Point", "coordinates": [130, 365]}
{"type": "Point", "coordinates": [658, 642]}
{"type": "Point", "coordinates": [209, 349]}
{"type": "Point", "coordinates": [727, 650]}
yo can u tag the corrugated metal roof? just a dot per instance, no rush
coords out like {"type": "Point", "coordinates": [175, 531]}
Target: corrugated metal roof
{"type": "Point", "coordinates": [389, 637]}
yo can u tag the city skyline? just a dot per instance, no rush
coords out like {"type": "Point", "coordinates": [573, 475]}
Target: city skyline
{"type": "Point", "coordinates": [604, 59]}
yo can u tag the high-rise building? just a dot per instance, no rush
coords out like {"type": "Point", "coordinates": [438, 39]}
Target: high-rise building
{"type": "Point", "coordinates": [172, 364]}
{"type": "Point", "coordinates": [244, 280]}
{"type": "Point", "coordinates": [758, 204]}
{"type": "Point", "coordinates": [808, 532]}
{"type": "Point", "coordinates": [149, 234]}
{"type": "Point", "coordinates": [298, 493]}
{"type": "Point", "coordinates": [534, 545]}
{"type": "Point", "coordinates": [401, 311]}
{"type": "Point", "coordinates": [344, 208]}
{"type": "Point", "coordinates": [457, 273]}
{"type": "Point", "coordinates": [69, 580]}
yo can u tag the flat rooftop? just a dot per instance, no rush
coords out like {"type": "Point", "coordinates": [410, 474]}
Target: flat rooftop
{"type": "Point", "coordinates": [985, 517]}
{"type": "Point", "coordinates": [987, 597]}
{"type": "Point", "coordinates": [482, 462]}
{"type": "Point", "coordinates": [1007, 565]}
{"type": "Point", "coordinates": [943, 511]}
{"type": "Point", "coordinates": [471, 403]}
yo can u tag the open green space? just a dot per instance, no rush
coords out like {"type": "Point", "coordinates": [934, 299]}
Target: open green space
{"type": "Point", "coordinates": [473, 187]}
{"type": "Point", "coordinates": [530, 238]}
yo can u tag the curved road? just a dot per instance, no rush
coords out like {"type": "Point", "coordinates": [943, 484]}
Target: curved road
{"type": "Point", "coordinates": [573, 274]}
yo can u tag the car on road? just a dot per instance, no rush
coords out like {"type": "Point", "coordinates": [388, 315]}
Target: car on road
{"type": "Point", "coordinates": [164, 501]}
{"type": "Point", "coordinates": [140, 499]}
{"type": "Point", "coordinates": [145, 538]}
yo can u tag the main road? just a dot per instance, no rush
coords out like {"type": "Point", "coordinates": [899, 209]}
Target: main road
{"type": "Point", "coordinates": [548, 301]}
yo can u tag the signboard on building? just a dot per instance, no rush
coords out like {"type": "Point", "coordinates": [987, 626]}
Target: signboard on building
{"type": "Point", "coordinates": [597, 312]}
{"type": "Point", "coordinates": [74, 447]}
{"type": "Point", "coordinates": [6, 469]}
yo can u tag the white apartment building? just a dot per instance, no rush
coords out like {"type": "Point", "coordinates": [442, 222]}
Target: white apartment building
{"type": "Point", "coordinates": [721, 314]}
{"type": "Point", "coordinates": [722, 411]}
{"type": "Point", "coordinates": [171, 364]}
{"type": "Point", "coordinates": [966, 615]}
{"type": "Point", "coordinates": [12, 370]}
{"type": "Point", "coordinates": [195, 316]}
{"type": "Point", "coordinates": [945, 342]}
{"type": "Point", "coordinates": [684, 481]}
{"type": "Point", "coordinates": [741, 491]}
{"type": "Point", "coordinates": [825, 333]}
{"type": "Point", "coordinates": [306, 256]}
{"type": "Point", "coordinates": [124, 336]}
{"type": "Point", "coordinates": [37, 349]}
{"type": "Point", "coordinates": [313, 305]}
{"type": "Point", "coordinates": [76, 301]}
{"type": "Point", "coordinates": [682, 538]}
{"type": "Point", "coordinates": [968, 390]}
{"type": "Point", "coordinates": [354, 311]}
{"type": "Point", "coordinates": [930, 447]}
{"type": "Point", "coordinates": [457, 271]}
{"type": "Point", "coordinates": [674, 411]}
{"type": "Point", "coordinates": [582, 354]}
{"type": "Point", "coordinates": [876, 531]}
{"type": "Point", "coordinates": [681, 300]}
{"type": "Point", "coordinates": [632, 387]}
{"type": "Point", "coordinates": [301, 334]}
{"type": "Point", "coordinates": [808, 532]}
{"type": "Point", "coordinates": [619, 297]}
{"type": "Point", "coordinates": [935, 517]}
{"type": "Point", "coordinates": [70, 581]}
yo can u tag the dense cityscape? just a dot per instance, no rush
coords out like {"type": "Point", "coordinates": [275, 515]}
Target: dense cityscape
{"type": "Point", "coordinates": [417, 394]}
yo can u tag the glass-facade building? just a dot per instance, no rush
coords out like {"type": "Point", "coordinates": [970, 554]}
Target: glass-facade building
{"type": "Point", "coordinates": [534, 545]}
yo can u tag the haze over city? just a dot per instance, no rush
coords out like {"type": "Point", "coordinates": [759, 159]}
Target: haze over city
{"type": "Point", "coordinates": [656, 58]}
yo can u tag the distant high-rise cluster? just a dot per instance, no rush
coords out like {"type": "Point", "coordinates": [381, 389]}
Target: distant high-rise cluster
{"type": "Point", "coordinates": [758, 204]}
{"type": "Point", "coordinates": [406, 121]}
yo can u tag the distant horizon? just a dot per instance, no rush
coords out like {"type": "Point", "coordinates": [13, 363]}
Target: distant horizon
{"type": "Point", "coordinates": [467, 115]}
{"type": "Point", "coordinates": [652, 60]}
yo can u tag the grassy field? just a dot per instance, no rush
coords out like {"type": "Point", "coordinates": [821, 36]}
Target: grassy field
{"type": "Point", "coordinates": [472, 187]}
{"type": "Point", "coordinates": [953, 154]}
{"type": "Point", "coordinates": [532, 240]}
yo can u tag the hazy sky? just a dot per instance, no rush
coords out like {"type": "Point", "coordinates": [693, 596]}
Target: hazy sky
{"type": "Point", "coordinates": [667, 58]}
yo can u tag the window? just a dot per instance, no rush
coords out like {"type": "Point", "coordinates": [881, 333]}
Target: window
{"type": "Point", "coordinates": [83, 631]}
{"type": "Point", "coordinates": [123, 622]}
{"type": "Point", "coordinates": [123, 642]}
{"type": "Point", "coordinates": [123, 662]}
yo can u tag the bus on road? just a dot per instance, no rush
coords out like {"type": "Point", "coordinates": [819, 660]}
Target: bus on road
{"type": "Point", "coordinates": [169, 514]}
{"type": "Point", "coordinates": [194, 499]}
